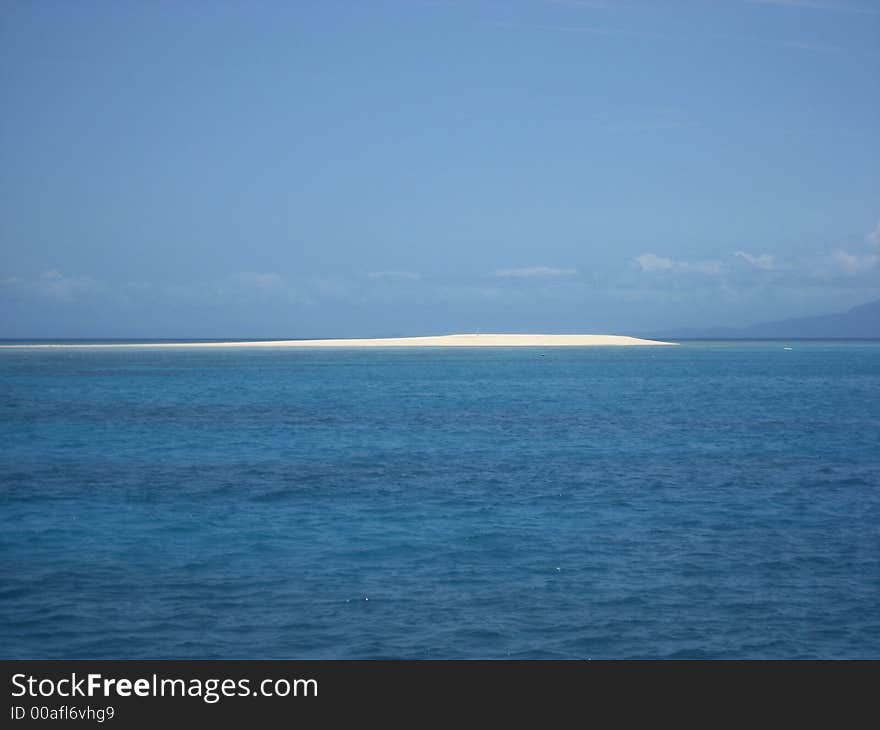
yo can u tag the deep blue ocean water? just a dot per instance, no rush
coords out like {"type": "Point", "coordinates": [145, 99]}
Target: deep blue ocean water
{"type": "Point", "coordinates": [713, 500]}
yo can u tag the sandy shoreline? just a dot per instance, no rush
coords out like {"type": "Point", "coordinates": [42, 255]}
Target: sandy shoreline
{"type": "Point", "coordinates": [469, 340]}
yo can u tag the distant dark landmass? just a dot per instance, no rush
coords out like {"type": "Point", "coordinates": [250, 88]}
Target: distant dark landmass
{"type": "Point", "coordinates": [859, 322]}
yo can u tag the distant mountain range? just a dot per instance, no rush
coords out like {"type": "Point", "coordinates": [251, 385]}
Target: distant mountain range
{"type": "Point", "coordinates": [859, 322]}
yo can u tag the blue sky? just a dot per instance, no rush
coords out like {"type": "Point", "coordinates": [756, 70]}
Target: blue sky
{"type": "Point", "coordinates": [211, 169]}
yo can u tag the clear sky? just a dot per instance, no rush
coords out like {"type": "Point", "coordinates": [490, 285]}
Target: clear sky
{"type": "Point", "coordinates": [251, 169]}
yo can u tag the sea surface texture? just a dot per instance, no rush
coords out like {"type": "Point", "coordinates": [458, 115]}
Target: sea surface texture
{"type": "Point", "coordinates": [713, 500]}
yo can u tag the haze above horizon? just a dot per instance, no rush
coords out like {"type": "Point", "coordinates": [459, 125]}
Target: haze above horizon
{"type": "Point", "coordinates": [396, 168]}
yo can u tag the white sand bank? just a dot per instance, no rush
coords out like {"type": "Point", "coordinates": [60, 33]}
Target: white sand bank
{"type": "Point", "coordinates": [472, 340]}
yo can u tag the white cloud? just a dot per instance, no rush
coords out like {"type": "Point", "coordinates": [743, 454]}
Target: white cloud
{"type": "Point", "coordinates": [394, 275]}
{"type": "Point", "coordinates": [854, 264]}
{"type": "Point", "coordinates": [649, 263]}
{"type": "Point", "coordinates": [534, 271]}
{"type": "Point", "coordinates": [652, 262]}
{"type": "Point", "coordinates": [765, 261]}
{"type": "Point", "coordinates": [874, 236]}
{"type": "Point", "coordinates": [53, 284]}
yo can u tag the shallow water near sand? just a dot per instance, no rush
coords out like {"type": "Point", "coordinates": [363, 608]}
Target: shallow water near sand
{"type": "Point", "coordinates": [713, 500]}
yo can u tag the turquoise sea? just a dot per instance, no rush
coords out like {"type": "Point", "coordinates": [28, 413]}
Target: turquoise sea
{"type": "Point", "coordinates": [713, 500]}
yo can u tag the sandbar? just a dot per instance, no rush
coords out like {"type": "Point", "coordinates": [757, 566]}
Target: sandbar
{"type": "Point", "coordinates": [465, 340]}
